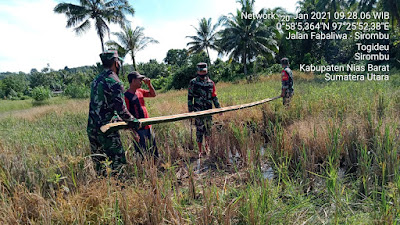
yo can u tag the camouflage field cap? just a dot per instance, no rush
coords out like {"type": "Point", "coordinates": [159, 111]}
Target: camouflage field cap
{"type": "Point", "coordinates": [285, 61]}
{"type": "Point", "coordinates": [202, 66]}
{"type": "Point", "coordinates": [109, 55]}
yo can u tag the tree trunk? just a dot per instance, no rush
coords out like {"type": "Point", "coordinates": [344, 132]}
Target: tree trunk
{"type": "Point", "coordinates": [208, 56]}
{"type": "Point", "coordinates": [133, 61]}
{"type": "Point", "coordinates": [102, 44]}
{"type": "Point", "coordinates": [244, 63]}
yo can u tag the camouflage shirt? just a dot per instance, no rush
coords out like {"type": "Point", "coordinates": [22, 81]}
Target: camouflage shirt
{"type": "Point", "coordinates": [287, 79]}
{"type": "Point", "coordinates": [106, 101]}
{"type": "Point", "coordinates": [203, 93]}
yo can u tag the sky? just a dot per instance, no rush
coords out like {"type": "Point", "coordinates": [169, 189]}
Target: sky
{"type": "Point", "coordinates": [33, 36]}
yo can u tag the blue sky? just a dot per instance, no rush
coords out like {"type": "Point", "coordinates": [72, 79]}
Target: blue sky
{"type": "Point", "coordinates": [34, 37]}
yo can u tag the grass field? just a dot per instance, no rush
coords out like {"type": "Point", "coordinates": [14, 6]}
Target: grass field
{"type": "Point", "coordinates": [334, 154]}
{"type": "Point", "coordinates": [12, 106]}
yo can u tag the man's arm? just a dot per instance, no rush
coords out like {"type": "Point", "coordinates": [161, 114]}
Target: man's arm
{"type": "Point", "coordinates": [152, 91]}
{"type": "Point", "coordinates": [285, 82]}
{"type": "Point", "coordinates": [214, 97]}
{"type": "Point", "coordinates": [190, 97]}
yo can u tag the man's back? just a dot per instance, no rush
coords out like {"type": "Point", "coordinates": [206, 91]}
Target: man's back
{"type": "Point", "coordinates": [105, 99]}
{"type": "Point", "coordinates": [287, 79]}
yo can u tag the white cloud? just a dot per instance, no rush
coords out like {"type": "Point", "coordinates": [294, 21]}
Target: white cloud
{"type": "Point", "coordinates": [39, 37]}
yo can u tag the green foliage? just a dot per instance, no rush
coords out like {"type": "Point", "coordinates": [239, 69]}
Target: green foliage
{"type": "Point", "coordinates": [40, 93]}
{"type": "Point", "coordinates": [153, 69]}
{"type": "Point", "coordinates": [224, 71]}
{"type": "Point", "coordinates": [205, 38]}
{"type": "Point", "coordinates": [244, 38]}
{"type": "Point", "coordinates": [13, 95]}
{"type": "Point", "coordinates": [177, 57]}
{"type": "Point", "coordinates": [2, 90]}
{"type": "Point", "coordinates": [276, 68]}
{"type": "Point", "coordinates": [77, 91]}
{"type": "Point", "coordinates": [130, 41]}
{"type": "Point", "coordinates": [261, 64]}
{"type": "Point", "coordinates": [51, 80]}
{"type": "Point", "coordinates": [80, 76]}
{"type": "Point", "coordinates": [162, 82]}
{"type": "Point", "coordinates": [182, 76]}
{"type": "Point", "coordinates": [14, 86]}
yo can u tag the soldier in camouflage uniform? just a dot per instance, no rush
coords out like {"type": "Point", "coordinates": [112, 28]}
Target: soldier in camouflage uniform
{"type": "Point", "coordinates": [107, 102]}
{"type": "Point", "coordinates": [287, 82]}
{"type": "Point", "coordinates": [201, 95]}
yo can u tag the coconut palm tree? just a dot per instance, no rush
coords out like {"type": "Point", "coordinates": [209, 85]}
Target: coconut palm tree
{"type": "Point", "coordinates": [102, 12]}
{"type": "Point", "coordinates": [205, 38]}
{"type": "Point", "coordinates": [130, 41]}
{"type": "Point", "coordinates": [244, 38]}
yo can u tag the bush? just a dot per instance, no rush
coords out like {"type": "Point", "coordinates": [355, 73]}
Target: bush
{"type": "Point", "coordinates": [161, 82]}
{"type": "Point", "coordinates": [276, 68]}
{"type": "Point", "coordinates": [77, 91]}
{"type": "Point", "coordinates": [12, 95]}
{"type": "Point", "coordinates": [182, 77]}
{"type": "Point", "coordinates": [41, 93]}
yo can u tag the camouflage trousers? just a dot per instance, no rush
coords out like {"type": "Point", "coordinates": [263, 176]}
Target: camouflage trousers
{"type": "Point", "coordinates": [106, 146]}
{"type": "Point", "coordinates": [287, 98]}
{"type": "Point", "coordinates": [203, 127]}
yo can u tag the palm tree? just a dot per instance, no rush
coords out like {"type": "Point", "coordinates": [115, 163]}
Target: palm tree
{"type": "Point", "coordinates": [100, 11]}
{"type": "Point", "coordinates": [130, 41]}
{"type": "Point", "coordinates": [205, 38]}
{"type": "Point", "coordinates": [244, 38]}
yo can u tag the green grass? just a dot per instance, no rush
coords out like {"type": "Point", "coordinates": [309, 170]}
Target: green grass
{"type": "Point", "coordinates": [334, 153]}
{"type": "Point", "coordinates": [8, 105]}
{"type": "Point", "coordinates": [12, 105]}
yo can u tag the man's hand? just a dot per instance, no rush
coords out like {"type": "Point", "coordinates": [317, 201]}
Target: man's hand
{"type": "Point", "coordinates": [147, 81]}
{"type": "Point", "coordinates": [135, 124]}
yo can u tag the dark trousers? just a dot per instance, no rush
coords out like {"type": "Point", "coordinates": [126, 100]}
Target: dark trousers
{"type": "Point", "coordinates": [147, 143]}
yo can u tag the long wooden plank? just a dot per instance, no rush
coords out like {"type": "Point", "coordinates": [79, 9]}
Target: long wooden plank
{"type": "Point", "coordinates": [183, 116]}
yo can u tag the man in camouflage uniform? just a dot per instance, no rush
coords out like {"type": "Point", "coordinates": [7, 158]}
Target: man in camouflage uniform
{"type": "Point", "coordinates": [287, 82]}
{"type": "Point", "coordinates": [201, 95]}
{"type": "Point", "coordinates": [107, 102]}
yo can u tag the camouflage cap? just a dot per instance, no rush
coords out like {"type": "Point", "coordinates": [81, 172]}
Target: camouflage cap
{"type": "Point", "coordinates": [285, 61]}
{"type": "Point", "coordinates": [202, 66]}
{"type": "Point", "coordinates": [109, 55]}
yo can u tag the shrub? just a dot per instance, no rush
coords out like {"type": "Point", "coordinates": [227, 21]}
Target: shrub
{"type": "Point", "coordinates": [276, 68]}
{"type": "Point", "coordinates": [77, 91]}
{"type": "Point", "coordinates": [182, 77]}
{"type": "Point", "coordinates": [41, 93]}
{"type": "Point", "coordinates": [161, 82]}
